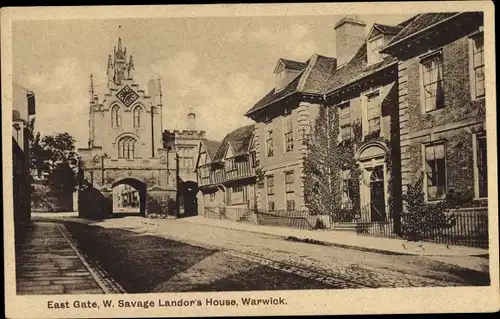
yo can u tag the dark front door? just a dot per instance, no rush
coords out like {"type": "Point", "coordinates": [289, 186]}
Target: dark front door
{"type": "Point", "coordinates": [377, 194]}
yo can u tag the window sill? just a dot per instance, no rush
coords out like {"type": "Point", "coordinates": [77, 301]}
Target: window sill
{"type": "Point", "coordinates": [478, 99]}
{"type": "Point", "coordinates": [432, 112]}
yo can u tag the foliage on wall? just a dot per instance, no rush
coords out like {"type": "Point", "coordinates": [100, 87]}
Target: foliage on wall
{"type": "Point", "coordinates": [324, 162]}
{"type": "Point", "coordinates": [423, 220]}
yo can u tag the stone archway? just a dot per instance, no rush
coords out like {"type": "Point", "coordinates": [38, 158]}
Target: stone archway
{"type": "Point", "coordinates": [188, 201]}
{"type": "Point", "coordinates": [141, 189]}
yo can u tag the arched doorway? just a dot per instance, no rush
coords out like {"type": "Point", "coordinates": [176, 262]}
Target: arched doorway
{"type": "Point", "coordinates": [188, 202]}
{"type": "Point", "coordinates": [129, 197]}
{"type": "Point", "coordinates": [373, 187]}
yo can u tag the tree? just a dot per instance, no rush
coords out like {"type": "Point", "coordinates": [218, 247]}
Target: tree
{"type": "Point", "coordinates": [321, 170]}
{"type": "Point", "coordinates": [36, 150]}
{"type": "Point", "coordinates": [56, 156]}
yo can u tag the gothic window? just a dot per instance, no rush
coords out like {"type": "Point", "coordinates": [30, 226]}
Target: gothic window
{"type": "Point", "coordinates": [126, 147]}
{"type": "Point", "coordinates": [116, 116]}
{"type": "Point", "coordinates": [137, 116]}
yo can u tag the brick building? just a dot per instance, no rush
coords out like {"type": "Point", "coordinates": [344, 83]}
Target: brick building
{"type": "Point", "coordinates": [364, 93]}
{"type": "Point", "coordinates": [23, 109]}
{"type": "Point", "coordinates": [226, 174]}
{"type": "Point", "coordinates": [283, 121]}
{"type": "Point", "coordinates": [442, 105]}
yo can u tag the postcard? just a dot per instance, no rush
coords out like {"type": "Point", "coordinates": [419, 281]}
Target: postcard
{"type": "Point", "coordinates": [249, 159]}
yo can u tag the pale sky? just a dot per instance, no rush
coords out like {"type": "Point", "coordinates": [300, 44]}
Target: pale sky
{"type": "Point", "coordinates": [218, 66]}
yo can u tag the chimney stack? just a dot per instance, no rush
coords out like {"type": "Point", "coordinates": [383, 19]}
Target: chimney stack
{"type": "Point", "coordinates": [349, 36]}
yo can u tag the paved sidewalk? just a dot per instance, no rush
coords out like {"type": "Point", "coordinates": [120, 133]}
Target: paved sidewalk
{"type": "Point", "coordinates": [47, 263]}
{"type": "Point", "coordinates": [347, 239]}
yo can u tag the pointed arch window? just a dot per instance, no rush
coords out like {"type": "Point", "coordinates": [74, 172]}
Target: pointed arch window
{"type": "Point", "coordinates": [137, 116]}
{"type": "Point", "coordinates": [116, 116]}
{"type": "Point", "coordinates": [126, 147]}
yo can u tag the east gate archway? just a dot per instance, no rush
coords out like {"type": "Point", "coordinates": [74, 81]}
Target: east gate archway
{"type": "Point", "coordinates": [129, 197]}
{"type": "Point", "coordinates": [125, 144]}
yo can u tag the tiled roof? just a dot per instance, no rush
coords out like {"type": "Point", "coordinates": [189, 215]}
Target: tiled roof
{"type": "Point", "coordinates": [356, 69]}
{"type": "Point", "coordinates": [312, 79]}
{"type": "Point", "coordinates": [421, 22]}
{"type": "Point", "coordinates": [211, 147]}
{"type": "Point", "coordinates": [289, 64]}
{"type": "Point", "coordinates": [239, 140]}
{"type": "Point", "coordinates": [274, 96]}
{"type": "Point", "coordinates": [387, 29]}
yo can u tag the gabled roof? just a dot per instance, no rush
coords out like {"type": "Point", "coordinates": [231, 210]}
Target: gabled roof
{"type": "Point", "coordinates": [387, 29]}
{"type": "Point", "coordinates": [211, 147]}
{"type": "Point", "coordinates": [419, 23]}
{"type": "Point", "coordinates": [312, 80]}
{"type": "Point", "coordinates": [356, 69]}
{"type": "Point", "coordinates": [239, 140]}
{"type": "Point", "coordinates": [290, 64]}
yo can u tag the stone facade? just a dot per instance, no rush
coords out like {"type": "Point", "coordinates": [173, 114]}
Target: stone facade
{"type": "Point", "coordinates": [125, 143]}
{"type": "Point", "coordinates": [457, 124]}
{"type": "Point", "coordinates": [23, 109]}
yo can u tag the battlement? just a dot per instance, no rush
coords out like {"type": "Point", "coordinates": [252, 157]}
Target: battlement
{"type": "Point", "coordinates": [186, 133]}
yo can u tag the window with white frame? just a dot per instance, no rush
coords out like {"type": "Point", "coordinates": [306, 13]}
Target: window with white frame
{"type": "Point", "coordinates": [435, 170]}
{"type": "Point", "coordinates": [345, 126]}
{"type": "Point", "coordinates": [373, 112]}
{"type": "Point", "coordinates": [289, 190]}
{"type": "Point", "coordinates": [269, 142]}
{"type": "Point", "coordinates": [432, 82]}
{"type": "Point", "coordinates": [477, 59]}
{"type": "Point", "coordinates": [347, 189]}
{"type": "Point", "coordinates": [289, 180]}
{"type": "Point", "coordinates": [288, 133]}
{"type": "Point", "coordinates": [270, 184]}
{"type": "Point", "coordinates": [374, 46]}
{"type": "Point", "coordinates": [481, 169]}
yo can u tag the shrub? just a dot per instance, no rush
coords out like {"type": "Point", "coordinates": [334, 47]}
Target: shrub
{"type": "Point", "coordinates": [422, 220]}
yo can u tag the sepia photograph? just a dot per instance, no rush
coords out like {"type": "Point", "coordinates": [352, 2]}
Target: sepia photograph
{"type": "Point", "coordinates": [179, 162]}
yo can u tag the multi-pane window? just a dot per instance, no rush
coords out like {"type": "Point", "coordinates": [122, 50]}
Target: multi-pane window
{"type": "Point", "coordinates": [289, 180]}
{"type": "Point", "coordinates": [290, 203]}
{"type": "Point", "coordinates": [269, 142]}
{"type": "Point", "coordinates": [432, 82]}
{"type": "Point", "coordinates": [253, 156]}
{"type": "Point", "coordinates": [345, 126]}
{"type": "Point", "coordinates": [374, 49]}
{"type": "Point", "coordinates": [237, 189]}
{"type": "Point", "coordinates": [478, 65]}
{"type": "Point", "coordinates": [116, 116]}
{"type": "Point", "coordinates": [212, 197]}
{"type": "Point", "coordinates": [288, 134]}
{"type": "Point", "coordinates": [305, 131]}
{"type": "Point", "coordinates": [270, 206]}
{"type": "Point", "coordinates": [137, 116]}
{"type": "Point", "coordinates": [347, 189]}
{"type": "Point", "coordinates": [435, 171]}
{"type": "Point", "coordinates": [126, 147]}
{"type": "Point", "coordinates": [230, 164]}
{"type": "Point", "coordinates": [373, 112]}
{"type": "Point", "coordinates": [481, 165]}
{"type": "Point", "coordinates": [270, 184]}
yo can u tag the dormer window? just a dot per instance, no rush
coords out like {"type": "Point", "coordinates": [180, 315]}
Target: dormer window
{"type": "Point", "coordinates": [373, 49]}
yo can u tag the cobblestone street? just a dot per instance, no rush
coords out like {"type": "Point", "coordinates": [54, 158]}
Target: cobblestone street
{"type": "Point", "coordinates": [181, 256]}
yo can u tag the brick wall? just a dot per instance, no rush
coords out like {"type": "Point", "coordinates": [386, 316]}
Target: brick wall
{"type": "Point", "coordinates": [455, 123]}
